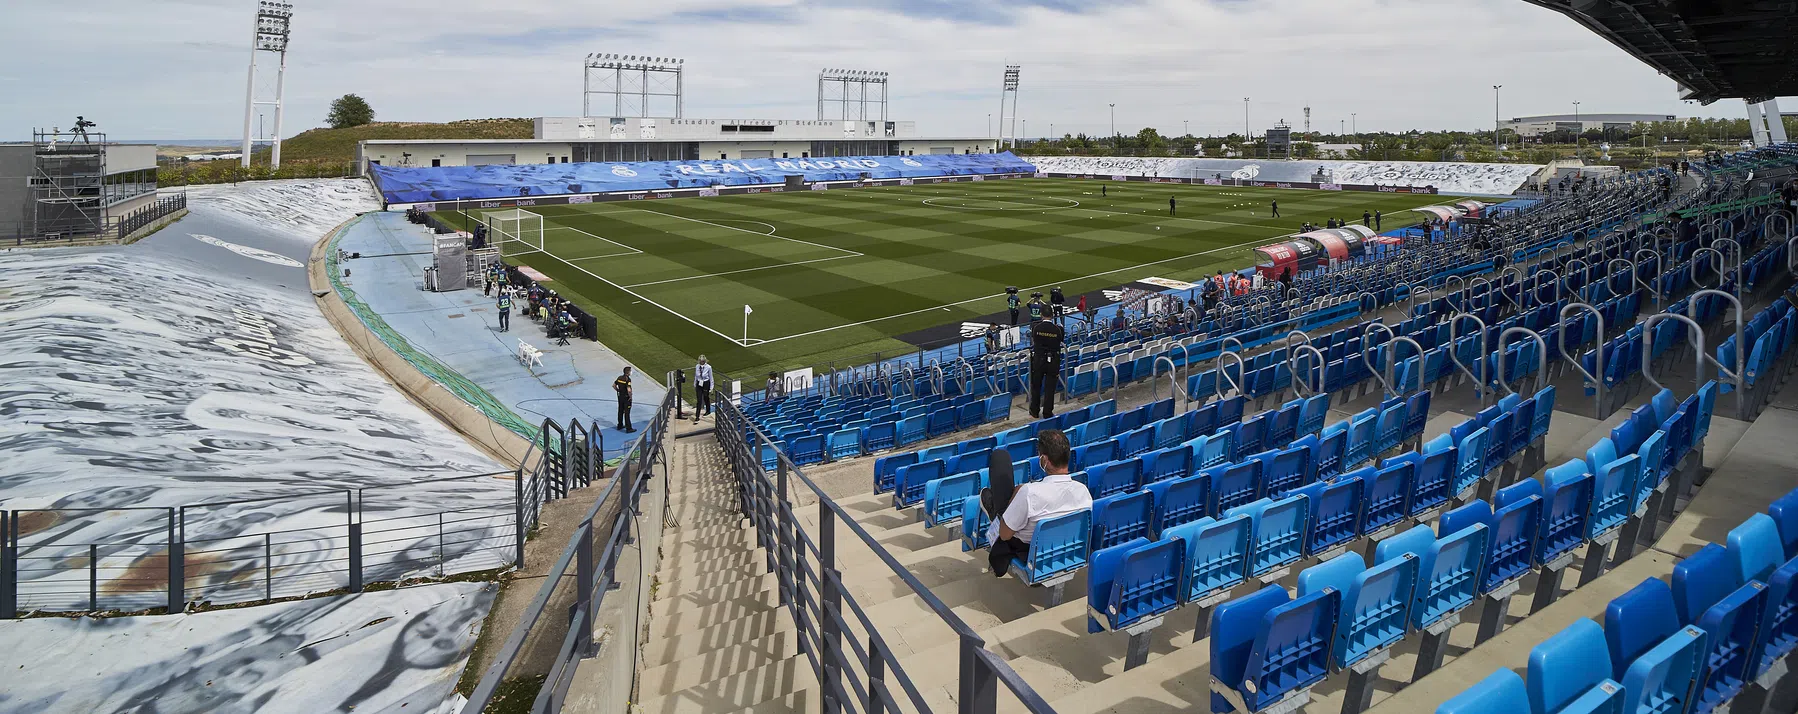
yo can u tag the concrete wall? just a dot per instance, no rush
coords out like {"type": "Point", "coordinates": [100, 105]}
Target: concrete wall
{"type": "Point", "coordinates": [130, 157]}
{"type": "Point", "coordinates": [454, 153]}
{"type": "Point", "coordinates": [15, 168]}
{"type": "Point", "coordinates": [956, 146]}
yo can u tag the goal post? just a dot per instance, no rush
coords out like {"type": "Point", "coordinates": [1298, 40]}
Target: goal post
{"type": "Point", "coordinates": [514, 230]}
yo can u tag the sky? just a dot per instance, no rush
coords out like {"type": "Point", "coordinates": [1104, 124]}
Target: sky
{"type": "Point", "coordinates": [176, 69]}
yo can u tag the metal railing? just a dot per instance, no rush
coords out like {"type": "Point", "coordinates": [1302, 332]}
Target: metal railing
{"type": "Point", "coordinates": [152, 213]}
{"type": "Point", "coordinates": [856, 669]}
{"type": "Point", "coordinates": [593, 574]}
{"type": "Point", "coordinates": [120, 558]}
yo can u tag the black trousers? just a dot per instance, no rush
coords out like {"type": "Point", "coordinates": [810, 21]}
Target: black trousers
{"type": "Point", "coordinates": [624, 415]}
{"type": "Point", "coordinates": [1042, 391]}
{"type": "Point", "coordinates": [1014, 317]}
{"type": "Point", "coordinates": [1005, 550]}
{"type": "Point", "coordinates": [505, 320]}
{"type": "Point", "coordinates": [702, 400]}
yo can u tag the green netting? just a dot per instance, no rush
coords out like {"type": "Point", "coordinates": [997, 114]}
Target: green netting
{"type": "Point", "coordinates": [439, 372]}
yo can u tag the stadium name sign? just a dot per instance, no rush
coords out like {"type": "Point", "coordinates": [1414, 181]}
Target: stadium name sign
{"type": "Point", "coordinates": [1422, 190]}
{"type": "Point", "coordinates": [751, 166]}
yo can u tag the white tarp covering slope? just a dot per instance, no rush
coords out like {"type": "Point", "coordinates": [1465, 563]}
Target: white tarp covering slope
{"type": "Point", "coordinates": [395, 651]}
{"type": "Point", "coordinates": [303, 208]}
{"type": "Point", "coordinates": [1463, 178]}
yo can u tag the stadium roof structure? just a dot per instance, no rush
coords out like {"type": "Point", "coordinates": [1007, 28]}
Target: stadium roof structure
{"type": "Point", "coordinates": [1715, 49]}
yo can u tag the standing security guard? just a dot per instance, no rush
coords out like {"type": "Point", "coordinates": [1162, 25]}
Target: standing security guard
{"type": "Point", "coordinates": [1045, 367]}
{"type": "Point", "coordinates": [1011, 302]}
{"type": "Point", "coordinates": [622, 385]}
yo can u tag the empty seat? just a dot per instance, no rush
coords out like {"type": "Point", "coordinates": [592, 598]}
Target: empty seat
{"type": "Point", "coordinates": [1279, 528]}
{"type": "Point", "coordinates": [1570, 672]}
{"type": "Point", "coordinates": [1501, 692]}
{"type": "Point", "coordinates": [1636, 621]}
{"type": "Point", "coordinates": [1132, 582]}
{"type": "Point", "coordinates": [1337, 511]}
{"type": "Point", "coordinates": [1217, 555]}
{"type": "Point", "coordinates": [1114, 477]}
{"type": "Point", "coordinates": [886, 468]}
{"type": "Point", "coordinates": [1179, 501]}
{"type": "Point", "coordinates": [1661, 679]}
{"type": "Point", "coordinates": [1121, 517]}
{"type": "Point", "coordinates": [1266, 646]}
{"type": "Point", "coordinates": [1386, 492]}
{"type": "Point", "coordinates": [1375, 609]}
{"type": "Point", "coordinates": [1567, 505]}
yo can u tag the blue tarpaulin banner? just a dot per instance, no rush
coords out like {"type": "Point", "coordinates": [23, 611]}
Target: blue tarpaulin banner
{"type": "Point", "coordinates": [452, 183]}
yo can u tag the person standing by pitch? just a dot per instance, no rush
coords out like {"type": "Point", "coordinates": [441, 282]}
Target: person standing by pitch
{"type": "Point", "coordinates": [1045, 366]}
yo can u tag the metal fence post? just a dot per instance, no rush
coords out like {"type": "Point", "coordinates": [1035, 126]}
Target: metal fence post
{"type": "Point", "coordinates": [93, 577]}
{"type": "Point", "coordinates": [877, 674]}
{"type": "Point", "coordinates": [783, 546]}
{"type": "Point", "coordinates": [518, 514]}
{"type": "Point", "coordinates": [9, 564]}
{"type": "Point", "coordinates": [831, 603]}
{"type": "Point", "coordinates": [355, 531]}
{"type": "Point", "coordinates": [583, 590]}
{"type": "Point", "coordinates": [177, 579]}
{"type": "Point", "coordinates": [979, 687]}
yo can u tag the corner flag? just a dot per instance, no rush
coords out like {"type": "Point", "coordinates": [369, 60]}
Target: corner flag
{"type": "Point", "coordinates": [747, 309]}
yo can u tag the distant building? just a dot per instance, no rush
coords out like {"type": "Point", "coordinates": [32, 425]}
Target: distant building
{"type": "Point", "coordinates": [1531, 127]}
{"type": "Point", "coordinates": [561, 140]}
{"type": "Point", "coordinates": [68, 186]}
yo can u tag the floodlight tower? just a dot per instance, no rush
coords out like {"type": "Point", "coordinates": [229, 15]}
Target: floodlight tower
{"type": "Point", "coordinates": [637, 77]}
{"type": "Point", "coordinates": [850, 88]}
{"type": "Point", "coordinates": [1009, 92]}
{"type": "Point", "coordinates": [270, 35]}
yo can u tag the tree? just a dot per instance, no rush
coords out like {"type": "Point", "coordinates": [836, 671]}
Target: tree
{"type": "Point", "coordinates": [349, 110]}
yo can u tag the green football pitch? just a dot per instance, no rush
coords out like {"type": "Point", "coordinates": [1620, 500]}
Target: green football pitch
{"type": "Point", "coordinates": [834, 276]}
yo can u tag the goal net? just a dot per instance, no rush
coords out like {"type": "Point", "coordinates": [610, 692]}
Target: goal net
{"type": "Point", "coordinates": [514, 231]}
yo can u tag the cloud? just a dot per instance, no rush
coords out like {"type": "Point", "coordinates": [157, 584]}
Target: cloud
{"type": "Point", "coordinates": [1391, 64]}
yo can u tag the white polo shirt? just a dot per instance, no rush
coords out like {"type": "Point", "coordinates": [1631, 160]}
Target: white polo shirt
{"type": "Point", "coordinates": [1055, 495]}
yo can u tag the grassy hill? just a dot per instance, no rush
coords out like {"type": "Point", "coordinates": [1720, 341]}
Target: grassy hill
{"type": "Point", "coordinates": [340, 144]}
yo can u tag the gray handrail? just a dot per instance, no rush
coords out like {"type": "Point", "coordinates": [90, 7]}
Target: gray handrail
{"type": "Point", "coordinates": [1292, 368]}
{"type": "Point", "coordinates": [1716, 266]}
{"type": "Point", "coordinates": [1735, 249]}
{"type": "Point", "coordinates": [1111, 362]}
{"type": "Point", "coordinates": [1177, 392]}
{"type": "Point", "coordinates": [1541, 357]}
{"type": "Point", "coordinates": [1385, 379]}
{"type": "Point", "coordinates": [1692, 328]}
{"type": "Point", "coordinates": [1448, 284]}
{"type": "Point", "coordinates": [1659, 269]}
{"type": "Point", "coordinates": [1598, 404]}
{"type": "Point", "coordinates": [1224, 374]}
{"type": "Point", "coordinates": [1485, 342]}
{"type": "Point", "coordinates": [1735, 376]}
{"type": "Point", "coordinates": [1610, 280]}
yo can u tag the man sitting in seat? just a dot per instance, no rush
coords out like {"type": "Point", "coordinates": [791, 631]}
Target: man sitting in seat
{"type": "Point", "coordinates": [1056, 495]}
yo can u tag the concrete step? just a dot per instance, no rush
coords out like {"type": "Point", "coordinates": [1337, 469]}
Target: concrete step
{"type": "Point", "coordinates": [683, 532]}
{"type": "Point", "coordinates": [688, 613]}
{"type": "Point", "coordinates": [723, 578]}
{"type": "Point", "coordinates": [739, 690]}
{"type": "Point", "coordinates": [692, 671]}
{"type": "Point", "coordinates": [700, 565]}
{"type": "Point", "coordinates": [695, 642]}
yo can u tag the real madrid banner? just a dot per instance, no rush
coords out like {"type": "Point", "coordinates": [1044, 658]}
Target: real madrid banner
{"type": "Point", "coordinates": [461, 183]}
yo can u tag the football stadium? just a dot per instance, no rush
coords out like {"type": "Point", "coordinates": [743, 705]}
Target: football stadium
{"type": "Point", "coordinates": [639, 412]}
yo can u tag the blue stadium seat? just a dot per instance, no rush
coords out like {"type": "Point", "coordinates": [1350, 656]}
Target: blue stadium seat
{"type": "Point", "coordinates": [940, 422]}
{"type": "Point", "coordinates": [1389, 429]}
{"type": "Point", "coordinates": [1132, 582]}
{"type": "Point", "coordinates": [943, 497]}
{"type": "Point", "coordinates": [998, 407]}
{"type": "Point", "coordinates": [1784, 511]}
{"type": "Point", "coordinates": [886, 469]}
{"type": "Point", "coordinates": [1174, 431]}
{"type": "Point", "coordinates": [1501, 692]}
{"type": "Point", "coordinates": [1470, 460]}
{"type": "Point", "coordinates": [1732, 637]}
{"type": "Point", "coordinates": [1169, 463]}
{"type": "Point", "coordinates": [1434, 483]}
{"type": "Point", "coordinates": [1417, 415]}
{"type": "Point", "coordinates": [1114, 477]}
{"type": "Point", "coordinates": [1614, 494]}
{"type": "Point", "coordinates": [1021, 450]}
{"type": "Point", "coordinates": [1701, 580]}
{"type": "Point", "coordinates": [1121, 517]}
{"type": "Point", "coordinates": [1234, 485]}
{"type": "Point", "coordinates": [1515, 531]}
{"type": "Point", "coordinates": [1779, 626]}
{"type": "Point", "coordinates": [1095, 453]}
{"type": "Point", "coordinates": [1212, 450]}
{"type": "Point", "coordinates": [1660, 680]}
{"type": "Point", "coordinates": [911, 430]}
{"type": "Point", "coordinates": [879, 437]}
{"type": "Point", "coordinates": [1217, 555]}
{"type": "Point", "coordinates": [1313, 414]}
{"type": "Point", "coordinates": [909, 488]}
{"type": "Point", "coordinates": [1362, 439]}
{"type": "Point", "coordinates": [1250, 436]}
{"type": "Point", "coordinates": [1266, 646]}
{"type": "Point", "coordinates": [966, 461]}
{"type": "Point", "coordinates": [1376, 609]}
{"type": "Point", "coordinates": [1136, 442]}
{"type": "Point", "coordinates": [1059, 547]}
{"type": "Point", "coordinates": [973, 525]}
{"type": "Point", "coordinates": [1754, 548]}
{"type": "Point", "coordinates": [1178, 501]}
{"type": "Point", "coordinates": [1285, 425]}
{"type": "Point", "coordinates": [1567, 506]}
{"type": "Point", "coordinates": [1337, 511]}
{"type": "Point", "coordinates": [1279, 531]}
{"type": "Point", "coordinates": [1329, 457]}
{"type": "Point", "coordinates": [1636, 621]}
{"type": "Point", "coordinates": [1569, 672]}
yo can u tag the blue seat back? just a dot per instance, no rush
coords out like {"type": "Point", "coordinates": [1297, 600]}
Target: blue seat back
{"type": "Point", "coordinates": [1180, 500]}
{"type": "Point", "coordinates": [1779, 626]}
{"type": "Point", "coordinates": [1754, 548]}
{"type": "Point", "coordinates": [1215, 449]}
{"type": "Point", "coordinates": [1169, 463]}
{"type": "Point", "coordinates": [1362, 439]}
{"type": "Point", "coordinates": [909, 489]}
{"type": "Point", "coordinates": [1636, 621]}
{"type": "Point", "coordinates": [1567, 502]}
{"type": "Point", "coordinates": [1470, 461]}
{"type": "Point", "coordinates": [1449, 575]}
{"type": "Point", "coordinates": [1336, 573]}
{"type": "Point", "coordinates": [1568, 667]}
{"type": "Point", "coordinates": [1435, 481]}
{"type": "Point", "coordinates": [1544, 413]}
{"type": "Point", "coordinates": [1113, 477]}
{"type": "Point", "coordinates": [1516, 531]}
{"type": "Point", "coordinates": [1094, 453]}
{"type": "Point", "coordinates": [1501, 692]}
{"type": "Point", "coordinates": [944, 496]}
{"type": "Point", "coordinates": [1059, 545]}
{"type": "Point", "coordinates": [1731, 629]}
{"type": "Point", "coordinates": [1235, 485]}
{"type": "Point", "coordinates": [974, 522]}
{"type": "Point", "coordinates": [1614, 494]}
{"type": "Point", "coordinates": [1120, 518]}
{"type": "Point", "coordinates": [886, 469]}
{"type": "Point", "coordinates": [1387, 492]}
{"type": "Point", "coordinates": [1286, 470]}
{"type": "Point", "coordinates": [1217, 554]}
{"type": "Point", "coordinates": [1288, 644]}
{"type": "Point", "coordinates": [1389, 430]}
{"type": "Point", "coordinates": [1376, 609]}
{"type": "Point", "coordinates": [1701, 580]}
{"type": "Point", "coordinates": [1279, 531]}
{"type": "Point", "coordinates": [1337, 511]}
{"type": "Point", "coordinates": [1327, 458]}
{"type": "Point", "coordinates": [1661, 679]}
{"type": "Point", "coordinates": [1134, 581]}
{"type": "Point", "coordinates": [1784, 511]}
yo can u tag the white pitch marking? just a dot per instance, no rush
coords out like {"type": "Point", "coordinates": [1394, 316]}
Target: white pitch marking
{"type": "Point", "coordinates": [744, 230]}
{"type": "Point", "coordinates": [744, 270]}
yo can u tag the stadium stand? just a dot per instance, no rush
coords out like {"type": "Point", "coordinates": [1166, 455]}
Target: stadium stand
{"type": "Point", "coordinates": [1445, 177]}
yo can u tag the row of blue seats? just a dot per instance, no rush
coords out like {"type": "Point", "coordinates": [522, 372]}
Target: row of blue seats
{"type": "Point", "coordinates": [1770, 335]}
{"type": "Point", "coordinates": [1270, 645]}
{"type": "Point", "coordinates": [1768, 263]}
{"type": "Point", "coordinates": [1729, 618]}
{"type": "Point", "coordinates": [853, 440]}
{"type": "Point", "coordinates": [971, 454]}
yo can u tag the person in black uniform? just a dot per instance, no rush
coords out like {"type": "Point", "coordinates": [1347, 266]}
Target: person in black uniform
{"type": "Point", "coordinates": [1045, 367]}
{"type": "Point", "coordinates": [622, 385]}
{"type": "Point", "coordinates": [1170, 205]}
{"type": "Point", "coordinates": [1059, 302]}
{"type": "Point", "coordinates": [1276, 207]}
{"type": "Point", "coordinates": [1011, 303]}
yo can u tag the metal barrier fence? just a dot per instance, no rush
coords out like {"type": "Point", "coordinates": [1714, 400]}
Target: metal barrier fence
{"type": "Point", "coordinates": [855, 673]}
{"type": "Point", "coordinates": [592, 578]}
{"type": "Point", "coordinates": [152, 213]}
{"type": "Point", "coordinates": [132, 559]}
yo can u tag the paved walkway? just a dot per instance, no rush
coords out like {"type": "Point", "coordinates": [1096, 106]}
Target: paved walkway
{"type": "Point", "coordinates": [461, 330]}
